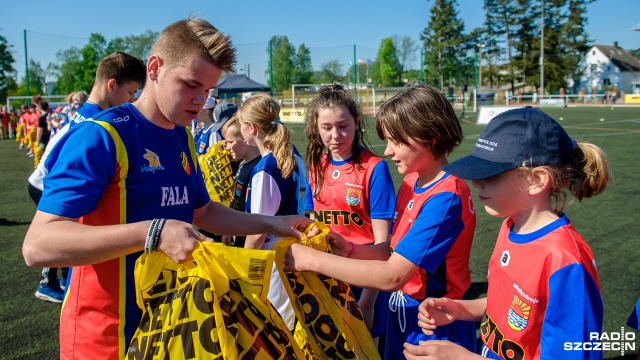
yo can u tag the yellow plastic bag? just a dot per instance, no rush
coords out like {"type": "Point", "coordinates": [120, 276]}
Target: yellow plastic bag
{"type": "Point", "coordinates": [216, 171]}
{"type": "Point", "coordinates": [330, 323]}
{"type": "Point", "coordinates": [215, 307]}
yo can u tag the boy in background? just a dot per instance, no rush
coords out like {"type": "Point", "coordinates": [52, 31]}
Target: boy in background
{"type": "Point", "coordinates": [247, 156]}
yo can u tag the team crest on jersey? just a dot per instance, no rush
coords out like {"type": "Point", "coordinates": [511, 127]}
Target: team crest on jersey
{"type": "Point", "coordinates": [154, 162]}
{"type": "Point", "coordinates": [353, 197]}
{"type": "Point", "coordinates": [518, 316]}
{"type": "Point", "coordinates": [185, 163]}
{"type": "Point", "coordinates": [335, 174]}
{"type": "Point", "coordinates": [410, 205]}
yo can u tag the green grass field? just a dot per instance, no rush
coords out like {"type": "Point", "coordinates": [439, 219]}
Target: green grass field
{"type": "Point", "coordinates": [608, 222]}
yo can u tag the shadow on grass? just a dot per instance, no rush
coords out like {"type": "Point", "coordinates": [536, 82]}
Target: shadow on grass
{"type": "Point", "coordinates": [5, 222]}
{"type": "Point", "coordinates": [476, 290]}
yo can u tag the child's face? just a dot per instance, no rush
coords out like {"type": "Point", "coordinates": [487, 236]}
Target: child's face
{"type": "Point", "coordinates": [236, 145]}
{"type": "Point", "coordinates": [180, 92]}
{"type": "Point", "coordinates": [122, 94]}
{"type": "Point", "coordinates": [247, 131]}
{"type": "Point", "coordinates": [410, 158]}
{"type": "Point", "coordinates": [337, 129]}
{"type": "Point", "coordinates": [505, 194]}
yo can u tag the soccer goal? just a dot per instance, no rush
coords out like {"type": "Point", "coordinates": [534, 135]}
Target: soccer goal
{"type": "Point", "coordinates": [364, 94]}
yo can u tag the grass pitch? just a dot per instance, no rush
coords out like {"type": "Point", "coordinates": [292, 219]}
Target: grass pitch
{"type": "Point", "coordinates": [608, 222]}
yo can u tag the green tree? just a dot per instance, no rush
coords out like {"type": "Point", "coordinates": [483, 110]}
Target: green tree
{"type": "Point", "coordinates": [527, 42]}
{"type": "Point", "coordinates": [575, 38]}
{"type": "Point", "coordinates": [303, 70]}
{"type": "Point", "coordinates": [443, 41]}
{"type": "Point", "coordinates": [388, 69]}
{"type": "Point", "coordinates": [7, 72]}
{"type": "Point", "coordinates": [330, 72]}
{"type": "Point", "coordinates": [66, 68]}
{"type": "Point", "coordinates": [501, 22]}
{"type": "Point", "coordinates": [135, 45]}
{"type": "Point", "coordinates": [283, 60]}
{"type": "Point", "coordinates": [95, 50]}
{"type": "Point", "coordinates": [37, 78]}
{"type": "Point", "coordinates": [406, 50]}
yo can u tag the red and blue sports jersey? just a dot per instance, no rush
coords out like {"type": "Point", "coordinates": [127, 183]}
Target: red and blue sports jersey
{"type": "Point", "coordinates": [543, 292]}
{"type": "Point", "coordinates": [118, 169]}
{"type": "Point", "coordinates": [433, 228]}
{"type": "Point", "coordinates": [352, 196]}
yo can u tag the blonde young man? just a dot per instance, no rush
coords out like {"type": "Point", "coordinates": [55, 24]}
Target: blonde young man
{"type": "Point", "coordinates": [133, 164]}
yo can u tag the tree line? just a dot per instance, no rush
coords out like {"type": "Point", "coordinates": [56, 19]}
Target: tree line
{"type": "Point", "coordinates": [508, 45]}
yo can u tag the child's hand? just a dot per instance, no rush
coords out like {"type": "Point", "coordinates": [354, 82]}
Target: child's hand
{"type": "Point", "coordinates": [339, 246]}
{"type": "Point", "coordinates": [297, 256]}
{"type": "Point", "coordinates": [434, 312]}
{"type": "Point", "coordinates": [436, 349]}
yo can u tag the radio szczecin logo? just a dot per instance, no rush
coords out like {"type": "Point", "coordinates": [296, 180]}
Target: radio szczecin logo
{"type": "Point", "coordinates": [622, 341]}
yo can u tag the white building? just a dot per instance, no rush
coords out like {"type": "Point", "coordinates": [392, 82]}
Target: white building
{"type": "Point", "coordinates": [608, 66]}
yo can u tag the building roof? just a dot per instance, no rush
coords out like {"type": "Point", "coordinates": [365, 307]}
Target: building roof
{"type": "Point", "coordinates": [620, 58]}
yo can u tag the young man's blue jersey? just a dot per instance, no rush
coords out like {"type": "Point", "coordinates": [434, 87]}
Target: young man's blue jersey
{"type": "Point", "coordinates": [119, 168]}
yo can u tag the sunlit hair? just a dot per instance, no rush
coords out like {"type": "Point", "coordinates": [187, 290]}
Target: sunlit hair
{"type": "Point", "coordinates": [231, 125]}
{"type": "Point", "coordinates": [422, 113]}
{"type": "Point", "coordinates": [79, 96]}
{"type": "Point", "coordinates": [36, 99]}
{"type": "Point", "coordinates": [123, 68]}
{"type": "Point", "coordinates": [587, 176]}
{"type": "Point", "coordinates": [193, 34]}
{"type": "Point", "coordinates": [262, 111]}
{"type": "Point", "coordinates": [330, 97]}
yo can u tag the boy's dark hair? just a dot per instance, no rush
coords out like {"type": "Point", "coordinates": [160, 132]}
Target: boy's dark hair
{"type": "Point", "coordinates": [123, 68]}
{"type": "Point", "coordinates": [421, 113]}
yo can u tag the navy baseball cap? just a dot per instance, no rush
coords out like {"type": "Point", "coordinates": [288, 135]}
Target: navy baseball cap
{"type": "Point", "coordinates": [515, 138]}
{"type": "Point", "coordinates": [221, 113]}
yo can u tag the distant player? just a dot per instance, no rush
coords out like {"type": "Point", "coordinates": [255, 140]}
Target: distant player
{"type": "Point", "coordinates": [248, 157]}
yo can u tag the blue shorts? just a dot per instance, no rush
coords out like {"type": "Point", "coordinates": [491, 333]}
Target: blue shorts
{"type": "Point", "coordinates": [402, 326]}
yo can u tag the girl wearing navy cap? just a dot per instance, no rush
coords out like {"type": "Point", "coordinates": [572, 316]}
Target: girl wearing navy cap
{"type": "Point", "coordinates": [544, 294]}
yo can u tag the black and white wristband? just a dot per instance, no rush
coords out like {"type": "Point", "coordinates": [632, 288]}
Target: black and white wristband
{"type": "Point", "coordinates": [156, 235]}
{"type": "Point", "coordinates": [148, 244]}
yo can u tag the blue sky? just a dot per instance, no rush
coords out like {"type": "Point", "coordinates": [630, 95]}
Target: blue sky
{"type": "Point", "coordinates": [329, 28]}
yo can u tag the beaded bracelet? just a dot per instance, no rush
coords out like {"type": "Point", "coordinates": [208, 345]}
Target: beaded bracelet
{"type": "Point", "coordinates": [156, 235]}
{"type": "Point", "coordinates": [353, 247]}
